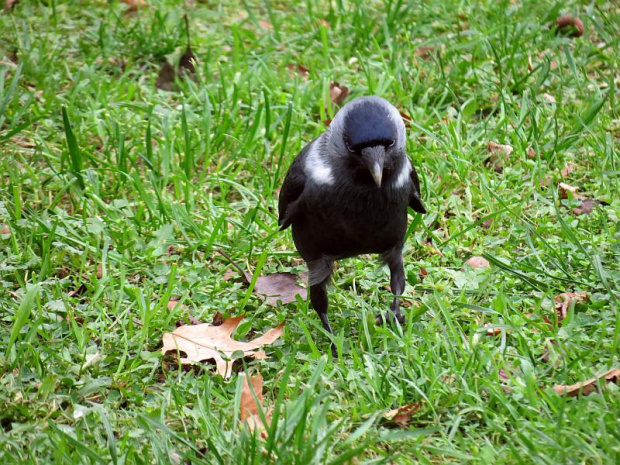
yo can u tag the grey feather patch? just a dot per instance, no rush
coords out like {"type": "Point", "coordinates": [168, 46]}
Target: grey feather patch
{"type": "Point", "coordinates": [320, 270]}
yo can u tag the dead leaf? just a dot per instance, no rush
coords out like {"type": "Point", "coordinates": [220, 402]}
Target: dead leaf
{"type": "Point", "coordinates": [278, 287]}
{"type": "Point", "coordinates": [265, 24]}
{"type": "Point", "coordinates": [424, 52]}
{"type": "Point", "coordinates": [568, 169]}
{"type": "Point", "coordinates": [5, 230]}
{"type": "Point", "coordinates": [8, 4]}
{"type": "Point", "coordinates": [588, 387]}
{"type": "Point", "coordinates": [99, 272]}
{"type": "Point", "coordinates": [251, 405]}
{"type": "Point", "coordinates": [568, 191]}
{"type": "Point", "coordinates": [327, 122]}
{"type": "Point", "coordinates": [301, 70]}
{"type": "Point", "coordinates": [486, 224]}
{"type": "Point", "coordinates": [569, 26]}
{"type": "Point", "coordinates": [586, 207]}
{"type": "Point", "coordinates": [218, 319]}
{"type": "Point", "coordinates": [188, 60]}
{"type": "Point", "coordinates": [134, 5]}
{"type": "Point", "coordinates": [407, 119]}
{"type": "Point", "coordinates": [165, 78]}
{"type": "Point", "coordinates": [173, 301]}
{"type": "Point", "coordinates": [494, 330]}
{"type": "Point", "coordinates": [207, 342]}
{"type": "Point", "coordinates": [500, 154]}
{"type": "Point", "coordinates": [338, 93]}
{"type": "Point", "coordinates": [273, 288]}
{"type": "Point", "coordinates": [478, 262]}
{"type": "Point", "coordinates": [531, 153]}
{"type": "Point", "coordinates": [401, 416]}
{"type": "Point", "coordinates": [564, 301]}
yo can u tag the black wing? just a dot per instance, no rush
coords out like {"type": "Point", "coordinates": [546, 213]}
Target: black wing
{"type": "Point", "coordinates": [293, 186]}
{"type": "Point", "coordinates": [415, 202]}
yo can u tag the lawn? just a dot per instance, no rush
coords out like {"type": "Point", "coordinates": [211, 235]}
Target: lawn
{"type": "Point", "coordinates": [117, 198]}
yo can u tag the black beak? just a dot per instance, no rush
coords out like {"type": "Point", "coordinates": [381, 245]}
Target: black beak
{"type": "Point", "coordinates": [373, 158]}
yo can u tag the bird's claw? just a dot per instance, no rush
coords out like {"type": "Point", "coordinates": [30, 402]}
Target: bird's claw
{"type": "Point", "coordinates": [389, 317]}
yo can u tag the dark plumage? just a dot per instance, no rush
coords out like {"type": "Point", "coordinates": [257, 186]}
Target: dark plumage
{"type": "Point", "coordinates": [347, 194]}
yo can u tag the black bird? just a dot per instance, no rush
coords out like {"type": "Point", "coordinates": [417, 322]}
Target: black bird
{"type": "Point", "coordinates": [347, 194]}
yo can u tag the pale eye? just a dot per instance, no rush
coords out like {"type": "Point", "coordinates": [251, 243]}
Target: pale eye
{"type": "Point", "coordinates": [392, 143]}
{"type": "Point", "coordinates": [349, 148]}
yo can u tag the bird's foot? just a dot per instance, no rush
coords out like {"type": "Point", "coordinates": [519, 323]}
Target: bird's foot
{"type": "Point", "coordinates": [389, 317]}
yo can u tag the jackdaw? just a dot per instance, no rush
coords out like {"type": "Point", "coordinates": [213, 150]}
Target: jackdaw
{"type": "Point", "coordinates": [347, 193]}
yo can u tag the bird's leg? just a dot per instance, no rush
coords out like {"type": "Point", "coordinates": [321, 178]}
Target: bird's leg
{"type": "Point", "coordinates": [394, 259]}
{"type": "Point", "coordinates": [320, 270]}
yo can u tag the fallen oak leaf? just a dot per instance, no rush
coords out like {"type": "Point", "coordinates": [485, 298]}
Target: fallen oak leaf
{"type": "Point", "coordinates": [499, 154]}
{"type": "Point", "coordinates": [338, 93]}
{"type": "Point", "coordinates": [300, 70]}
{"type": "Point", "coordinates": [568, 169]}
{"type": "Point", "coordinates": [278, 287]}
{"type": "Point", "coordinates": [477, 262]}
{"type": "Point", "coordinates": [134, 5]}
{"type": "Point", "coordinates": [586, 207]}
{"type": "Point", "coordinates": [207, 342]}
{"type": "Point", "coordinates": [8, 4]}
{"type": "Point", "coordinates": [564, 301]}
{"type": "Point", "coordinates": [588, 387]}
{"type": "Point", "coordinates": [567, 191]}
{"type": "Point", "coordinates": [250, 406]}
{"type": "Point", "coordinates": [401, 416]}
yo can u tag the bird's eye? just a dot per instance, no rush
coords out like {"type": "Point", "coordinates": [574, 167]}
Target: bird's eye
{"type": "Point", "coordinates": [349, 148]}
{"type": "Point", "coordinates": [392, 143]}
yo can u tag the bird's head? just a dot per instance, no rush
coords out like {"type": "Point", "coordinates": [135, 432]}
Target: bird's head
{"type": "Point", "coordinates": [369, 133]}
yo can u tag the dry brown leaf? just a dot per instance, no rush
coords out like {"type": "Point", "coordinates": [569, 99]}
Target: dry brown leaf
{"type": "Point", "coordinates": [531, 153]}
{"type": "Point", "coordinates": [494, 330]}
{"type": "Point", "coordinates": [478, 262]}
{"type": "Point", "coordinates": [338, 93]}
{"type": "Point", "coordinates": [134, 5]}
{"type": "Point", "coordinates": [588, 387]}
{"type": "Point", "coordinates": [567, 25]}
{"type": "Point", "coordinates": [249, 408]}
{"type": "Point", "coordinates": [165, 78]}
{"type": "Point", "coordinates": [564, 301]}
{"type": "Point", "coordinates": [568, 169]}
{"type": "Point", "coordinates": [424, 52]}
{"type": "Point", "coordinates": [265, 24]}
{"type": "Point", "coordinates": [249, 404]}
{"type": "Point", "coordinates": [8, 4]}
{"type": "Point", "coordinates": [173, 301]}
{"type": "Point", "coordinates": [207, 342]}
{"type": "Point", "coordinates": [218, 319]}
{"type": "Point", "coordinates": [278, 287]}
{"type": "Point", "coordinates": [401, 416]}
{"type": "Point", "coordinates": [301, 70]}
{"type": "Point", "coordinates": [567, 191]}
{"type": "Point", "coordinates": [500, 154]}
{"type": "Point", "coordinates": [99, 272]}
{"type": "Point", "coordinates": [586, 207]}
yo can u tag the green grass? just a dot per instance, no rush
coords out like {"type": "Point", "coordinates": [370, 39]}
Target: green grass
{"type": "Point", "coordinates": [115, 196]}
